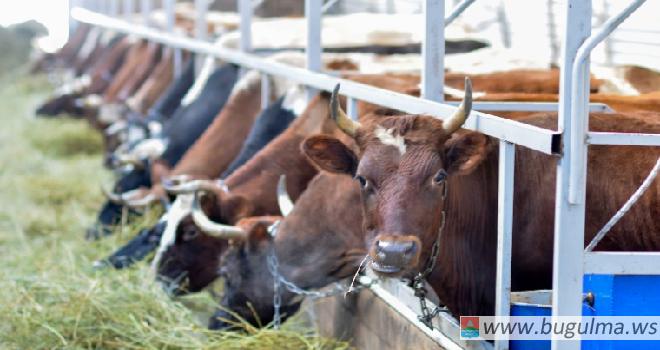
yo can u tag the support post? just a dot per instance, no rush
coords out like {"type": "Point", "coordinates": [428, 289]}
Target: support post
{"type": "Point", "coordinates": [433, 50]}
{"type": "Point", "coordinates": [128, 10]}
{"type": "Point", "coordinates": [146, 7]}
{"type": "Point", "coordinates": [245, 10]}
{"type": "Point", "coordinates": [352, 108]}
{"type": "Point", "coordinates": [201, 31]}
{"type": "Point", "coordinates": [265, 91]}
{"type": "Point", "coordinates": [313, 50]}
{"type": "Point", "coordinates": [114, 8]}
{"type": "Point", "coordinates": [568, 269]}
{"type": "Point", "coordinates": [504, 239]}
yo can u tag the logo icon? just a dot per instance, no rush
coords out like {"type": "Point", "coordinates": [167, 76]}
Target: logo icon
{"type": "Point", "coordinates": [469, 327]}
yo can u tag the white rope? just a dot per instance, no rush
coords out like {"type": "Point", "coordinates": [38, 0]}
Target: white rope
{"type": "Point", "coordinates": [625, 207]}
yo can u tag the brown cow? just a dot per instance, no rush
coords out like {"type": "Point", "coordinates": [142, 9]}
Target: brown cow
{"type": "Point", "coordinates": [318, 243]}
{"type": "Point", "coordinates": [405, 165]}
{"type": "Point", "coordinates": [519, 81]}
{"type": "Point", "coordinates": [251, 189]}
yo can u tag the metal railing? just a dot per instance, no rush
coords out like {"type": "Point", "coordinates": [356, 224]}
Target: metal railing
{"type": "Point", "coordinates": [569, 143]}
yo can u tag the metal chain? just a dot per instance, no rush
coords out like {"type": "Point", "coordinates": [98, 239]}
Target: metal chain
{"type": "Point", "coordinates": [420, 280]}
{"type": "Point", "coordinates": [278, 279]}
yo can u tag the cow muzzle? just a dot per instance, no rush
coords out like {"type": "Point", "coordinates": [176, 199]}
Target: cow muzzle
{"type": "Point", "coordinates": [391, 255]}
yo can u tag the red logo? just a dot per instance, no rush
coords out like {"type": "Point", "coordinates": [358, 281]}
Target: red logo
{"type": "Point", "coordinates": [469, 327]}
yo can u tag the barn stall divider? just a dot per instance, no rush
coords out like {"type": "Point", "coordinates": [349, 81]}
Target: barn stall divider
{"type": "Point", "coordinates": [387, 316]}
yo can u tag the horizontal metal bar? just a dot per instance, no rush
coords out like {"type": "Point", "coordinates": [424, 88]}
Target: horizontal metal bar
{"type": "Point", "coordinates": [622, 263]}
{"type": "Point", "coordinates": [608, 138]}
{"type": "Point", "coordinates": [530, 106]}
{"type": "Point", "coordinates": [525, 135]}
{"type": "Point", "coordinates": [394, 294]}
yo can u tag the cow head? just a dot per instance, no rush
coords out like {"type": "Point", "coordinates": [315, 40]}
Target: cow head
{"type": "Point", "coordinates": [198, 241]}
{"type": "Point", "coordinates": [403, 166]}
{"type": "Point", "coordinates": [190, 263]}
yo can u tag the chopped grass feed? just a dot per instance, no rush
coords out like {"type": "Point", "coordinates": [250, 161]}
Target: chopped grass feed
{"type": "Point", "coordinates": [51, 296]}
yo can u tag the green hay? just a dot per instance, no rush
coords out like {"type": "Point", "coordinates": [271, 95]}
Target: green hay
{"type": "Point", "coordinates": [65, 138]}
{"type": "Point", "coordinates": [51, 296]}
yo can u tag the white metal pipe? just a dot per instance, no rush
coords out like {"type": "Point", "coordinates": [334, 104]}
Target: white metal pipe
{"type": "Point", "coordinates": [352, 108]}
{"type": "Point", "coordinates": [146, 7]}
{"type": "Point", "coordinates": [433, 50]}
{"type": "Point", "coordinates": [328, 5]}
{"type": "Point", "coordinates": [128, 10]}
{"type": "Point", "coordinates": [606, 138]}
{"type": "Point", "coordinates": [522, 134]}
{"type": "Point", "coordinates": [622, 263]}
{"type": "Point", "coordinates": [504, 236]}
{"type": "Point", "coordinates": [201, 31]}
{"type": "Point", "coordinates": [529, 106]}
{"type": "Point", "coordinates": [114, 8]}
{"type": "Point", "coordinates": [265, 91]}
{"type": "Point", "coordinates": [567, 272]}
{"type": "Point", "coordinates": [457, 10]}
{"type": "Point", "coordinates": [580, 97]}
{"type": "Point", "coordinates": [246, 12]}
{"type": "Point", "coordinates": [170, 21]}
{"type": "Point", "coordinates": [313, 49]}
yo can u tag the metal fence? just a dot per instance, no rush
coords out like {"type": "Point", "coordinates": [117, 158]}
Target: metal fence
{"type": "Point", "coordinates": [569, 144]}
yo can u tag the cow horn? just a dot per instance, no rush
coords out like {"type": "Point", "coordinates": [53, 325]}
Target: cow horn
{"type": "Point", "coordinates": [212, 228]}
{"type": "Point", "coordinates": [283, 199]}
{"type": "Point", "coordinates": [142, 202]}
{"type": "Point", "coordinates": [188, 187]}
{"type": "Point", "coordinates": [344, 123]}
{"type": "Point", "coordinates": [456, 120]}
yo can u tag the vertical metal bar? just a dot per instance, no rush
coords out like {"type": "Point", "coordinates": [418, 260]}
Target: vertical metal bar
{"type": "Point", "coordinates": [433, 50]}
{"type": "Point", "coordinates": [201, 31]}
{"type": "Point", "coordinates": [265, 90]}
{"type": "Point", "coordinates": [146, 7]}
{"type": "Point", "coordinates": [504, 232]}
{"type": "Point", "coordinates": [128, 10]}
{"type": "Point", "coordinates": [114, 8]}
{"type": "Point", "coordinates": [580, 100]}
{"type": "Point", "coordinates": [568, 269]}
{"type": "Point", "coordinates": [246, 11]}
{"type": "Point", "coordinates": [352, 108]}
{"type": "Point", "coordinates": [313, 50]}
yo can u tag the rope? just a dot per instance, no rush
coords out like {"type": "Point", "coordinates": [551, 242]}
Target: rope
{"type": "Point", "coordinates": [625, 208]}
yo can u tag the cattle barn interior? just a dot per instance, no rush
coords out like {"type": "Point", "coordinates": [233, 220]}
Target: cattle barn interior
{"type": "Point", "coordinates": [334, 174]}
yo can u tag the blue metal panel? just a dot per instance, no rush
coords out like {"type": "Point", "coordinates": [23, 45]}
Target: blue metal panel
{"type": "Point", "coordinates": [620, 295]}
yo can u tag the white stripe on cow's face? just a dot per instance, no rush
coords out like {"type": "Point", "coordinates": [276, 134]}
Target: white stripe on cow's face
{"type": "Point", "coordinates": [387, 138]}
{"type": "Point", "coordinates": [181, 207]}
{"type": "Point", "coordinates": [295, 100]}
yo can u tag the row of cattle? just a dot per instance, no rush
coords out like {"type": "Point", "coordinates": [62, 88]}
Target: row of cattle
{"type": "Point", "coordinates": [300, 181]}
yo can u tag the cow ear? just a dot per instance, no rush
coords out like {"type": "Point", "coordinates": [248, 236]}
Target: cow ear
{"type": "Point", "coordinates": [465, 153]}
{"type": "Point", "coordinates": [236, 208]}
{"type": "Point", "coordinates": [328, 153]}
{"type": "Point", "coordinates": [258, 236]}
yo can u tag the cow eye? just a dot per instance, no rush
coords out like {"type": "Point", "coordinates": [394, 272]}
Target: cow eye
{"type": "Point", "coordinates": [363, 181]}
{"type": "Point", "coordinates": [440, 176]}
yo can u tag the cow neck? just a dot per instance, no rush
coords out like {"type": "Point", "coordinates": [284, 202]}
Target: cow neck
{"type": "Point", "coordinates": [281, 156]}
{"type": "Point", "coordinates": [212, 153]}
{"type": "Point", "coordinates": [464, 274]}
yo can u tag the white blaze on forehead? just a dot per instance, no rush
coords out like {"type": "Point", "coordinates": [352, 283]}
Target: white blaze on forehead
{"type": "Point", "coordinates": [295, 100]}
{"type": "Point", "coordinates": [387, 138]}
{"type": "Point", "coordinates": [181, 207]}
